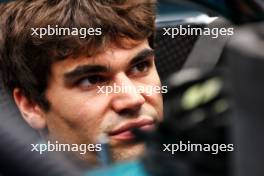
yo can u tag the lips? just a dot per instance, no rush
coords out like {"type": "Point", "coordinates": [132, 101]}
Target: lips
{"type": "Point", "coordinates": [124, 132]}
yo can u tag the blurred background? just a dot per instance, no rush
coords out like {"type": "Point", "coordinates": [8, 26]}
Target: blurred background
{"type": "Point", "coordinates": [226, 108]}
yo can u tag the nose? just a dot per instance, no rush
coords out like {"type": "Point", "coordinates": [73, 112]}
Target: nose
{"type": "Point", "coordinates": [128, 100]}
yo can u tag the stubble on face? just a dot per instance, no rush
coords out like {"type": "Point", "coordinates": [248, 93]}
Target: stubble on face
{"type": "Point", "coordinates": [80, 115]}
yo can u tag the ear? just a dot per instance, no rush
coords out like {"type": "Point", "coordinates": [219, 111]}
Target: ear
{"type": "Point", "coordinates": [30, 111]}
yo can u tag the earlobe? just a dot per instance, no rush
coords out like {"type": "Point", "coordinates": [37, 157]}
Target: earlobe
{"type": "Point", "coordinates": [30, 111]}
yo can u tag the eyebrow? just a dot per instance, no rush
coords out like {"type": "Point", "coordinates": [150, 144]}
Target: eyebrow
{"type": "Point", "coordinates": [70, 77]}
{"type": "Point", "coordinates": [142, 55]}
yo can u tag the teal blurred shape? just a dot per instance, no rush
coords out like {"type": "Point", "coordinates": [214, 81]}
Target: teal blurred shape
{"type": "Point", "coordinates": [133, 168]}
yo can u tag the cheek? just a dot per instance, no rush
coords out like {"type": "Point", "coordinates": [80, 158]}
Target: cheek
{"type": "Point", "coordinates": [155, 99]}
{"type": "Point", "coordinates": [158, 96]}
{"type": "Point", "coordinates": [80, 107]}
{"type": "Point", "coordinates": [89, 115]}
{"type": "Point", "coordinates": [83, 115]}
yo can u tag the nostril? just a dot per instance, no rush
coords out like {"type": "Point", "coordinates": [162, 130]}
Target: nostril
{"type": "Point", "coordinates": [130, 112]}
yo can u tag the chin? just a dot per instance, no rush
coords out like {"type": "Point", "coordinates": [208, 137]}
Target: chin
{"type": "Point", "coordinates": [128, 152]}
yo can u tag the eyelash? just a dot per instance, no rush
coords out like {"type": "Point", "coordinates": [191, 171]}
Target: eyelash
{"type": "Point", "coordinates": [102, 79]}
{"type": "Point", "coordinates": [147, 65]}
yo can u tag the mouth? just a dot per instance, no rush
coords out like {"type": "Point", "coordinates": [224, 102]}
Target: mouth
{"type": "Point", "coordinates": [124, 132]}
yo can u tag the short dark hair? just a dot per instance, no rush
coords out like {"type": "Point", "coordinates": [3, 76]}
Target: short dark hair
{"type": "Point", "coordinates": [25, 60]}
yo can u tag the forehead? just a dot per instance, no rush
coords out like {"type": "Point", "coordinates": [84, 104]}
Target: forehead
{"type": "Point", "coordinates": [113, 56]}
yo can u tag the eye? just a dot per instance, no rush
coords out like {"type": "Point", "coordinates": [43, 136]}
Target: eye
{"type": "Point", "coordinates": [141, 67]}
{"type": "Point", "coordinates": [92, 80]}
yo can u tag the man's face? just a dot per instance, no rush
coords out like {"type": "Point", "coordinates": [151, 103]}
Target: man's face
{"type": "Point", "coordinates": [80, 113]}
